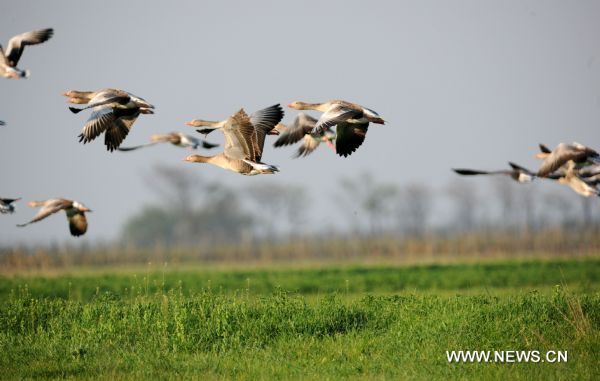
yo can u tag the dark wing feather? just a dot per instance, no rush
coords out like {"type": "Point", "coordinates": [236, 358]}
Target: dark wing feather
{"type": "Point", "coordinates": [517, 167]}
{"type": "Point", "coordinates": [17, 44]}
{"type": "Point", "coordinates": [99, 121]}
{"type": "Point", "coordinates": [267, 118]}
{"type": "Point", "coordinates": [349, 137]}
{"type": "Point", "coordinates": [264, 121]}
{"type": "Point", "coordinates": [117, 132]}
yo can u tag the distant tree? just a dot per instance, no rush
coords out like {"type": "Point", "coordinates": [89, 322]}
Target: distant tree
{"type": "Point", "coordinates": [415, 204]}
{"type": "Point", "coordinates": [190, 212]}
{"type": "Point", "coordinates": [364, 195]}
{"type": "Point", "coordinates": [465, 202]}
{"type": "Point", "coordinates": [278, 207]}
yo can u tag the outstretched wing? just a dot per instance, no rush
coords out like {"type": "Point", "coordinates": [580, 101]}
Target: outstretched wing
{"type": "Point", "coordinates": [17, 44]}
{"type": "Point", "coordinates": [302, 125]}
{"type": "Point", "coordinates": [338, 113]}
{"type": "Point", "coordinates": [560, 156]}
{"type": "Point", "coordinates": [118, 130]}
{"type": "Point", "coordinates": [308, 146]}
{"type": "Point", "coordinates": [50, 207]}
{"type": "Point", "coordinates": [239, 132]}
{"type": "Point", "coordinates": [349, 137]}
{"type": "Point", "coordinates": [264, 121]}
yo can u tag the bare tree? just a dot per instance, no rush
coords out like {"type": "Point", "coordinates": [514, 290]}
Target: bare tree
{"type": "Point", "coordinates": [278, 207]}
{"type": "Point", "coordinates": [372, 198]}
{"type": "Point", "coordinates": [465, 204]}
{"type": "Point", "coordinates": [414, 208]}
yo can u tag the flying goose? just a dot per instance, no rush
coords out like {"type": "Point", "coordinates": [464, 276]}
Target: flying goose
{"type": "Point", "coordinates": [352, 122]}
{"type": "Point", "coordinates": [517, 173]}
{"type": "Point", "coordinates": [568, 175]}
{"type": "Point", "coordinates": [301, 129]}
{"type": "Point", "coordinates": [14, 50]}
{"type": "Point", "coordinates": [579, 154]}
{"type": "Point", "coordinates": [114, 112]}
{"type": "Point", "coordinates": [244, 141]}
{"type": "Point", "coordinates": [177, 139]}
{"type": "Point", "coordinates": [6, 206]}
{"type": "Point", "coordinates": [75, 213]}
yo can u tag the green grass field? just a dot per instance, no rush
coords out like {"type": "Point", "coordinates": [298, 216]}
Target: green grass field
{"type": "Point", "coordinates": [358, 322]}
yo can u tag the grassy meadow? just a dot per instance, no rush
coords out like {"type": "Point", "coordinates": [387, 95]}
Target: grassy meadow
{"type": "Point", "coordinates": [303, 322]}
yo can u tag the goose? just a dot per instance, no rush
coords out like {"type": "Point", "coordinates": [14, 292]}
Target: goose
{"type": "Point", "coordinates": [114, 112]}
{"type": "Point", "coordinates": [517, 173]}
{"type": "Point", "coordinates": [352, 122]}
{"type": "Point", "coordinates": [2, 123]}
{"type": "Point", "coordinates": [14, 50]}
{"type": "Point", "coordinates": [586, 187]}
{"type": "Point", "coordinates": [6, 206]}
{"type": "Point", "coordinates": [301, 129]}
{"type": "Point", "coordinates": [579, 154]}
{"type": "Point", "coordinates": [266, 119]}
{"type": "Point", "coordinates": [177, 139]}
{"type": "Point", "coordinates": [75, 213]}
{"type": "Point", "coordinates": [244, 141]}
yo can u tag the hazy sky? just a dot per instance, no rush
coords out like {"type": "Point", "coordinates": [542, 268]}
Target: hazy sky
{"type": "Point", "coordinates": [461, 83]}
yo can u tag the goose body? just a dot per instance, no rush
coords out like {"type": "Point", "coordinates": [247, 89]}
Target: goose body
{"type": "Point", "coordinates": [244, 141]}
{"type": "Point", "coordinates": [301, 129]}
{"type": "Point", "coordinates": [352, 121]}
{"type": "Point", "coordinates": [74, 210]}
{"type": "Point", "coordinates": [175, 138]}
{"type": "Point", "coordinates": [6, 206]}
{"type": "Point", "coordinates": [517, 173]}
{"type": "Point", "coordinates": [16, 45]}
{"type": "Point", "coordinates": [113, 113]}
{"type": "Point", "coordinates": [557, 159]}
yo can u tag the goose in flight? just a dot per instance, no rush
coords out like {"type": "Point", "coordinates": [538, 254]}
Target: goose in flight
{"type": "Point", "coordinates": [113, 113]}
{"type": "Point", "coordinates": [352, 122]}
{"type": "Point", "coordinates": [579, 154]}
{"type": "Point", "coordinates": [517, 173]}
{"type": "Point", "coordinates": [569, 175]}
{"type": "Point", "coordinates": [6, 206]}
{"type": "Point", "coordinates": [301, 129]}
{"type": "Point", "coordinates": [15, 48]}
{"type": "Point", "coordinates": [244, 142]}
{"type": "Point", "coordinates": [177, 139]}
{"type": "Point", "coordinates": [75, 213]}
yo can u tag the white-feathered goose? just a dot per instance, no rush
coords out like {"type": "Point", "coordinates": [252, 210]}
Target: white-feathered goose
{"type": "Point", "coordinates": [177, 139]}
{"type": "Point", "coordinates": [244, 141]}
{"type": "Point", "coordinates": [113, 111]}
{"type": "Point", "coordinates": [15, 48]}
{"type": "Point", "coordinates": [301, 129]}
{"type": "Point", "coordinates": [352, 122]}
{"type": "Point", "coordinates": [75, 213]}
{"type": "Point", "coordinates": [517, 173]}
{"type": "Point", "coordinates": [6, 206]}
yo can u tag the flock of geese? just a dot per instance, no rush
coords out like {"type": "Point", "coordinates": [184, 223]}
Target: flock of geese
{"type": "Point", "coordinates": [574, 165]}
{"type": "Point", "coordinates": [114, 111]}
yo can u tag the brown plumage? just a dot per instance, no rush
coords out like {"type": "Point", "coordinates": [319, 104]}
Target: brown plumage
{"type": "Point", "coordinates": [114, 112]}
{"type": "Point", "coordinates": [244, 142]}
{"type": "Point", "coordinates": [301, 129]}
{"type": "Point", "coordinates": [74, 210]}
{"type": "Point", "coordinates": [577, 153]}
{"type": "Point", "coordinates": [15, 48]}
{"type": "Point", "coordinates": [352, 122]}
